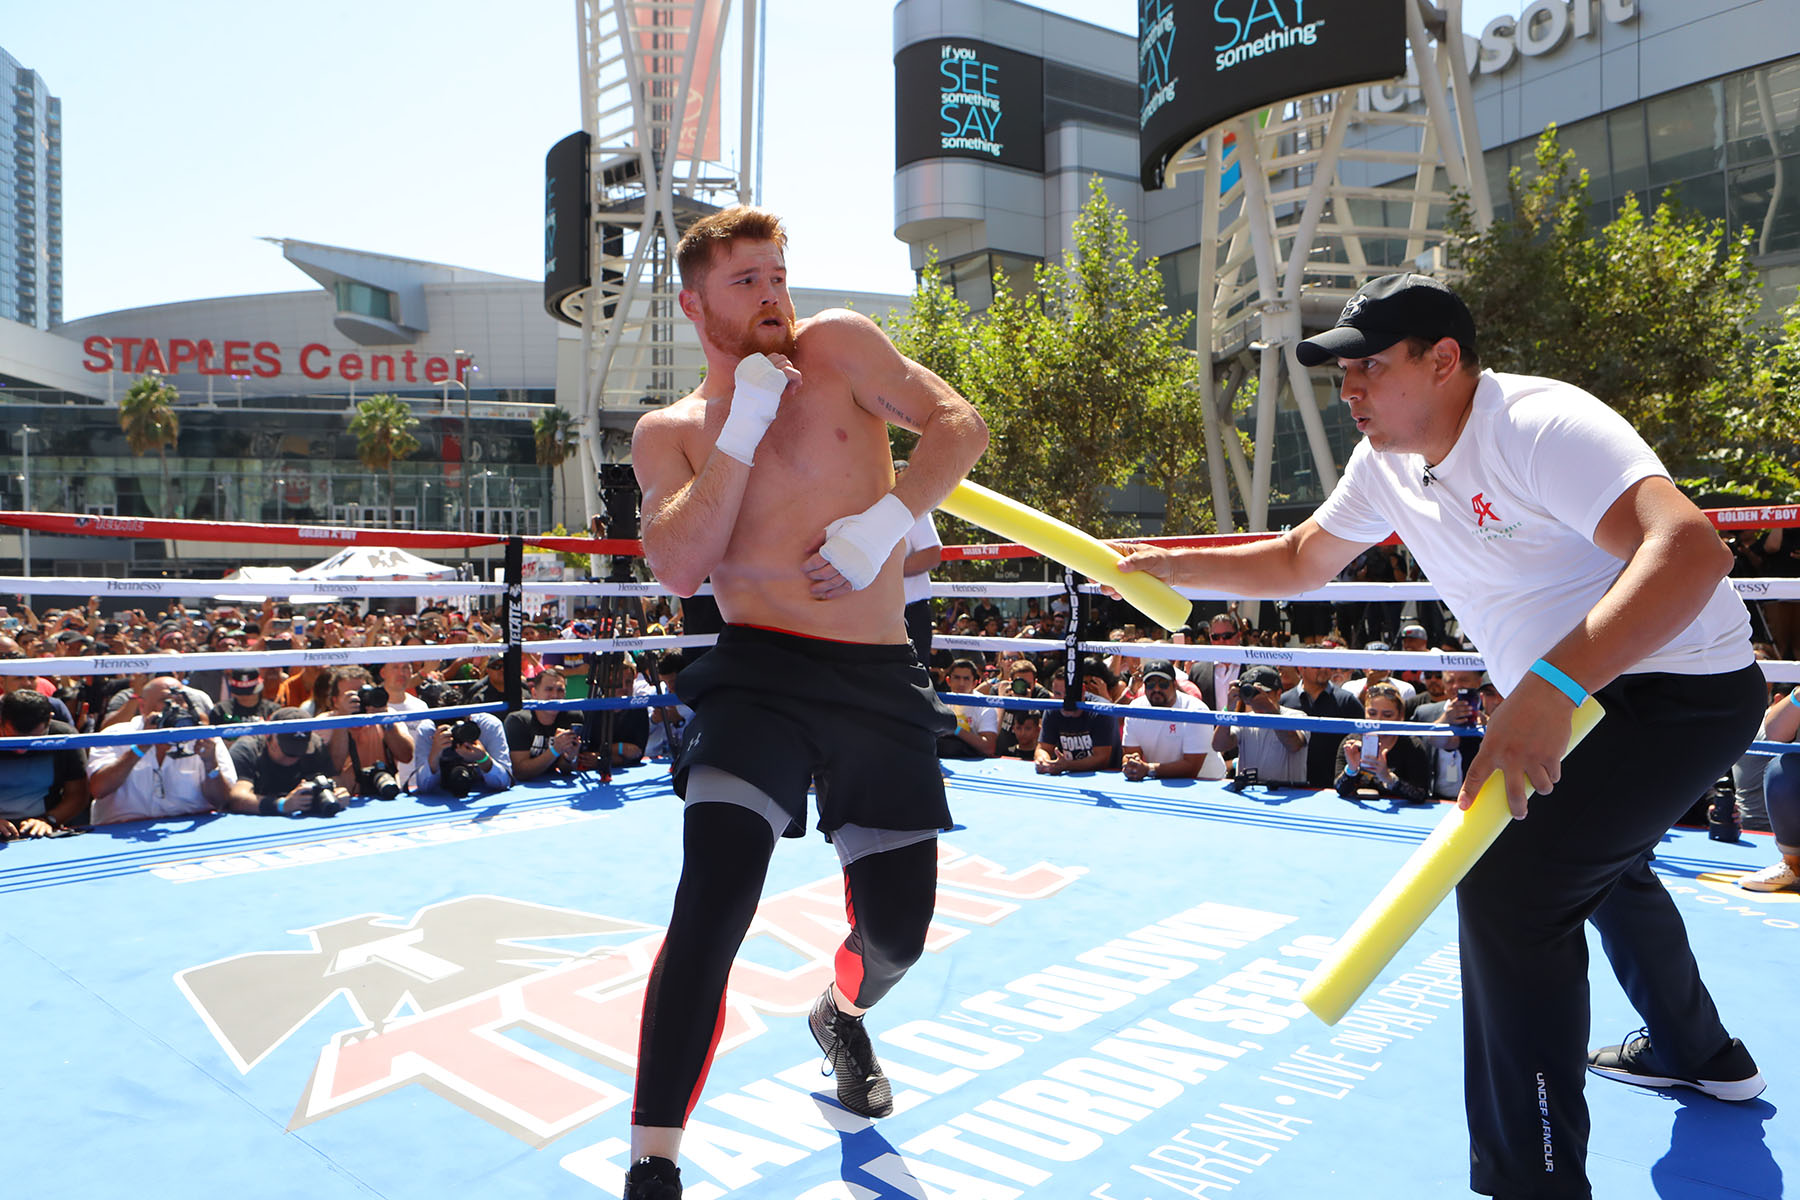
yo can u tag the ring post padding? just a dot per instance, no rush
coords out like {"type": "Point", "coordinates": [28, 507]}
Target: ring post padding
{"type": "Point", "coordinates": [1067, 545]}
{"type": "Point", "coordinates": [1420, 885]}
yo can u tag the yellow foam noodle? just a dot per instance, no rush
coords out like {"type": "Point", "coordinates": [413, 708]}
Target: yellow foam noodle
{"type": "Point", "coordinates": [1420, 885]}
{"type": "Point", "coordinates": [1066, 544]}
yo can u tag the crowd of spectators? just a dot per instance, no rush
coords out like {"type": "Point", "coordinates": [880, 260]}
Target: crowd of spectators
{"type": "Point", "coordinates": [306, 774]}
{"type": "Point", "coordinates": [318, 774]}
{"type": "Point", "coordinates": [1400, 769]}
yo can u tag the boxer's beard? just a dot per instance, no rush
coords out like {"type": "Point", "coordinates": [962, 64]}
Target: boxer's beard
{"type": "Point", "coordinates": [754, 337]}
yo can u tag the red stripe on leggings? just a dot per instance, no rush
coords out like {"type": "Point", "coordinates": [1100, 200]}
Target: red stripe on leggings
{"type": "Point", "coordinates": [706, 1063]}
{"type": "Point", "coordinates": [849, 962]}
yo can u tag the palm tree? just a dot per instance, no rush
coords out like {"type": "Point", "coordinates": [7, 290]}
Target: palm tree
{"type": "Point", "coordinates": [382, 426]}
{"type": "Point", "coordinates": [554, 432]}
{"type": "Point", "coordinates": [147, 415]}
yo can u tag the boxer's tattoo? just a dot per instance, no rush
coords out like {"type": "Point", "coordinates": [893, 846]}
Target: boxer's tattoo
{"type": "Point", "coordinates": [896, 410]}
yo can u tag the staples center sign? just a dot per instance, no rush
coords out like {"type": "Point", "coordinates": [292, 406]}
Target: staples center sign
{"type": "Point", "coordinates": [265, 360]}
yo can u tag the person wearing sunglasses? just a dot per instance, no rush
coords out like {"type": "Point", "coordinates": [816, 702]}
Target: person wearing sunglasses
{"type": "Point", "coordinates": [1155, 748]}
{"type": "Point", "coordinates": [1214, 678]}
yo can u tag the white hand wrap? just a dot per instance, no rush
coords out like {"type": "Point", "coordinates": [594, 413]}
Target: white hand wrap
{"type": "Point", "coordinates": [759, 387]}
{"type": "Point", "coordinates": [859, 546]}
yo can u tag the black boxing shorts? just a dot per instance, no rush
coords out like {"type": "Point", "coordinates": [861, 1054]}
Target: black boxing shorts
{"type": "Point", "coordinates": [782, 711]}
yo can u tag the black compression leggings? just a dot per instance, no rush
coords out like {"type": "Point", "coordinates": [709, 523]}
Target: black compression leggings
{"type": "Point", "coordinates": [726, 849]}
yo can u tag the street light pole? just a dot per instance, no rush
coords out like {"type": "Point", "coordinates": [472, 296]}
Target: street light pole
{"type": "Point", "coordinates": [468, 445]}
{"type": "Point", "coordinates": [487, 557]}
{"type": "Point", "coordinates": [25, 432]}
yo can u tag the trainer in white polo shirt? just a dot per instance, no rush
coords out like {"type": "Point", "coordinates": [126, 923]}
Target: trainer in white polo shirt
{"type": "Point", "coordinates": [1558, 539]}
{"type": "Point", "coordinates": [1157, 748]}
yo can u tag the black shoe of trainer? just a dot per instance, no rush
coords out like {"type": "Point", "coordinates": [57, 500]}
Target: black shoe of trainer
{"type": "Point", "coordinates": [861, 1086]}
{"type": "Point", "coordinates": [1730, 1074]}
{"type": "Point", "coordinates": [653, 1179]}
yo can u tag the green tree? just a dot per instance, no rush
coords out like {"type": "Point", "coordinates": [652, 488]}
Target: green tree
{"type": "Point", "coordinates": [383, 426]}
{"type": "Point", "coordinates": [1653, 313]}
{"type": "Point", "coordinates": [1768, 447]}
{"type": "Point", "coordinates": [1084, 383]}
{"type": "Point", "coordinates": [553, 433]}
{"type": "Point", "coordinates": [148, 418]}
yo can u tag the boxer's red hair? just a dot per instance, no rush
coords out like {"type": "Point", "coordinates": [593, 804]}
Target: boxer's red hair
{"type": "Point", "coordinates": [706, 237]}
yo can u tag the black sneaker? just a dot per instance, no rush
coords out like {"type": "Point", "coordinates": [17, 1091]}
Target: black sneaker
{"type": "Point", "coordinates": [653, 1179]}
{"type": "Point", "coordinates": [861, 1086]}
{"type": "Point", "coordinates": [1730, 1074]}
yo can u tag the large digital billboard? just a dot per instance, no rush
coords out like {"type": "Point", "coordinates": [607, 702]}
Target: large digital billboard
{"type": "Point", "coordinates": [960, 98]}
{"type": "Point", "coordinates": [1201, 62]}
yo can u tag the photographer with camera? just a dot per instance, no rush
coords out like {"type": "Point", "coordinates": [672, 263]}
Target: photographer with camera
{"type": "Point", "coordinates": [397, 678]}
{"type": "Point", "coordinates": [544, 741]}
{"type": "Point", "coordinates": [1272, 757]}
{"type": "Point", "coordinates": [1464, 705]}
{"type": "Point", "coordinates": [289, 774]}
{"type": "Point", "coordinates": [373, 752]}
{"type": "Point", "coordinates": [138, 782]}
{"type": "Point", "coordinates": [127, 702]}
{"type": "Point", "coordinates": [463, 756]}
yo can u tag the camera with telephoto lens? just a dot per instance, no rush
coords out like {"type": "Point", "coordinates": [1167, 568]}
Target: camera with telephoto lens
{"type": "Point", "coordinates": [372, 696]}
{"type": "Point", "coordinates": [321, 797]}
{"type": "Point", "coordinates": [460, 776]}
{"type": "Point", "coordinates": [378, 780]}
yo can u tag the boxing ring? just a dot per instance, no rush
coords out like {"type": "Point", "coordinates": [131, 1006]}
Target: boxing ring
{"type": "Point", "coordinates": [429, 997]}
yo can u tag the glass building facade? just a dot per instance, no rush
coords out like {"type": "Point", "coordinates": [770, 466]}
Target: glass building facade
{"type": "Point", "coordinates": [289, 460]}
{"type": "Point", "coordinates": [1729, 148]}
{"type": "Point", "coordinates": [30, 198]}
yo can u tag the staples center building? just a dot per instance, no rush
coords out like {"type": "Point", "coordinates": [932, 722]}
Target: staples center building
{"type": "Point", "coordinates": [267, 386]}
{"type": "Point", "coordinates": [1004, 112]}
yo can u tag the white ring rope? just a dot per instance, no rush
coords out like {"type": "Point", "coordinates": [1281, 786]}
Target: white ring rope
{"type": "Point", "coordinates": [1779, 671]}
{"type": "Point", "coordinates": [1750, 589]}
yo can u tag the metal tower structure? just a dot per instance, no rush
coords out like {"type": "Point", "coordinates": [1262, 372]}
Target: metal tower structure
{"type": "Point", "coordinates": [1290, 229]}
{"type": "Point", "coordinates": [651, 104]}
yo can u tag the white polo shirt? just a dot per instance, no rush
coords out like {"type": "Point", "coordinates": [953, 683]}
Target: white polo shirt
{"type": "Point", "coordinates": [1163, 740]}
{"type": "Point", "coordinates": [170, 788]}
{"type": "Point", "coordinates": [1505, 529]}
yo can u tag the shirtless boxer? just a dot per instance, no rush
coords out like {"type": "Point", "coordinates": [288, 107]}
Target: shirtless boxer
{"type": "Point", "coordinates": [774, 478]}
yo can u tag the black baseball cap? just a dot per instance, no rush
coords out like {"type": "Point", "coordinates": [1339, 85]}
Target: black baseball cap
{"type": "Point", "coordinates": [1259, 678]}
{"type": "Point", "coordinates": [1384, 311]}
{"type": "Point", "coordinates": [291, 743]}
{"type": "Point", "coordinates": [1160, 668]}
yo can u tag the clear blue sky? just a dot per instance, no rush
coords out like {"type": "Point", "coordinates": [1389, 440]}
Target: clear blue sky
{"type": "Point", "coordinates": [416, 129]}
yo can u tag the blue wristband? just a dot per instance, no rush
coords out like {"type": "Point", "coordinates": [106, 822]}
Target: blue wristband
{"type": "Point", "coordinates": [1560, 682]}
{"type": "Point", "coordinates": [1794, 697]}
